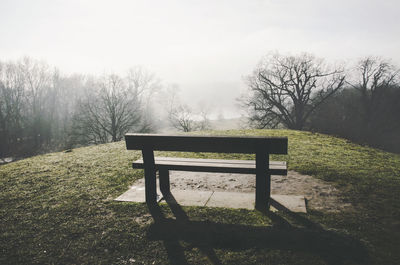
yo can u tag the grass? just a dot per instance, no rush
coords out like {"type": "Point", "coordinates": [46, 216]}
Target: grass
{"type": "Point", "coordinates": [58, 209]}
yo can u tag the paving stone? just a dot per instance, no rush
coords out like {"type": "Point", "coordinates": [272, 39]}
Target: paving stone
{"type": "Point", "coordinates": [293, 203]}
{"type": "Point", "coordinates": [135, 194]}
{"type": "Point", "coordinates": [238, 200]}
{"type": "Point", "coordinates": [191, 197]}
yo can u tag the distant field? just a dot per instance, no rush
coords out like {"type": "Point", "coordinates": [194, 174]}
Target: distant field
{"type": "Point", "coordinates": [58, 208]}
{"type": "Point", "coordinates": [217, 125]}
{"type": "Point", "coordinates": [227, 124]}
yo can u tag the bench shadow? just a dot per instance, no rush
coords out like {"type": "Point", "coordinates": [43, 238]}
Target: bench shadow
{"type": "Point", "coordinates": [331, 246]}
{"type": "Point", "coordinates": [172, 245]}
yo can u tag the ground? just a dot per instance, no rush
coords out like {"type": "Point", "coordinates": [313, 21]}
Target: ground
{"type": "Point", "coordinates": [59, 208]}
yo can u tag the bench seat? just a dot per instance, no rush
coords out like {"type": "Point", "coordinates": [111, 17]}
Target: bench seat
{"type": "Point", "coordinates": [212, 165]}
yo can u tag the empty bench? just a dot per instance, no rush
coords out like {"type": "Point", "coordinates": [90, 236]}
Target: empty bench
{"type": "Point", "coordinates": [262, 167]}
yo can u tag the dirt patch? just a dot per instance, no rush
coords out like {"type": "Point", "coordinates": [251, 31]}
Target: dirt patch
{"type": "Point", "coordinates": [320, 195]}
{"type": "Point", "coordinates": [144, 220]}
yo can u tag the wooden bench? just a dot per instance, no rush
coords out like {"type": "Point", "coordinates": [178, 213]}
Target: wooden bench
{"type": "Point", "coordinates": [262, 147]}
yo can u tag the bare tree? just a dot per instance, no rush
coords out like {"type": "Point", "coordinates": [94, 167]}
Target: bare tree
{"type": "Point", "coordinates": [37, 79]}
{"type": "Point", "coordinates": [287, 89]}
{"type": "Point", "coordinates": [144, 84]}
{"type": "Point", "coordinates": [114, 105]}
{"type": "Point", "coordinates": [204, 123]}
{"type": "Point", "coordinates": [181, 118]}
{"type": "Point", "coordinates": [107, 112]}
{"type": "Point", "coordinates": [12, 107]}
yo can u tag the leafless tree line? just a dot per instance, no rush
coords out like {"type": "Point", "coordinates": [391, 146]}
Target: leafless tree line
{"type": "Point", "coordinates": [42, 110]}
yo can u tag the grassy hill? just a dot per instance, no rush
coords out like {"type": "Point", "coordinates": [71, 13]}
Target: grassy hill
{"type": "Point", "coordinates": [58, 208]}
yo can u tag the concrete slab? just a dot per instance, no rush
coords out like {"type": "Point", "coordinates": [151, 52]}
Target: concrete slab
{"type": "Point", "coordinates": [135, 194]}
{"type": "Point", "coordinates": [183, 197]}
{"type": "Point", "coordinates": [237, 200]}
{"type": "Point", "coordinates": [191, 197]}
{"type": "Point", "coordinates": [293, 203]}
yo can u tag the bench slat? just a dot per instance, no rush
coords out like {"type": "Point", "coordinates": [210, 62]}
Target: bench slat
{"type": "Point", "coordinates": [216, 144]}
{"type": "Point", "coordinates": [203, 160]}
{"type": "Point", "coordinates": [213, 165]}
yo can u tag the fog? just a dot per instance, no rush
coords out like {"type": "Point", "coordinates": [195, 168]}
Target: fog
{"type": "Point", "coordinates": [204, 47]}
{"type": "Point", "coordinates": [69, 68]}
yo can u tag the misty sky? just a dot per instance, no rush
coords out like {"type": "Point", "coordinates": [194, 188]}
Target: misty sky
{"type": "Point", "coordinates": [205, 47]}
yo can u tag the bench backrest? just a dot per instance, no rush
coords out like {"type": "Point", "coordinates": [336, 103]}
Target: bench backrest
{"type": "Point", "coordinates": [212, 144]}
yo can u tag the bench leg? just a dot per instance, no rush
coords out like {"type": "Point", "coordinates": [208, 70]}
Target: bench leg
{"type": "Point", "coordinates": [263, 181]}
{"type": "Point", "coordinates": [268, 189]}
{"type": "Point", "coordinates": [149, 176]}
{"type": "Point", "coordinates": [164, 181]}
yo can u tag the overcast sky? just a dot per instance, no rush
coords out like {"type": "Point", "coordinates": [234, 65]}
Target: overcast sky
{"type": "Point", "coordinates": [205, 47]}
